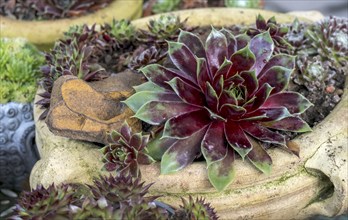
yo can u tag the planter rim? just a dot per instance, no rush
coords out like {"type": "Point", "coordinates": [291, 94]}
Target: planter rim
{"type": "Point", "coordinates": [288, 171]}
{"type": "Point", "coordinates": [227, 16]}
{"type": "Point", "coordinates": [47, 31]}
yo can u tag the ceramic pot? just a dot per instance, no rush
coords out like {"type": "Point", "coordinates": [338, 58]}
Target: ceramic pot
{"type": "Point", "coordinates": [18, 152]}
{"type": "Point", "coordinates": [44, 33]}
{"type": "Point", "coordinates": [298, 187]}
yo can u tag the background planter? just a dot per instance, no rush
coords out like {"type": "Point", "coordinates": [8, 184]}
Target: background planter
{"type": "Point", "coordinates": [45, 33]}
{"type": "Point", "coordinates": [314, 183]}
{"type": "Point", "coordinates": [18, 152]}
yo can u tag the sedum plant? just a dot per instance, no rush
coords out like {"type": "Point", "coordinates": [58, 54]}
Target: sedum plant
{"type": "Point", "coordinates": [19, 70]}
{"type": "Point", "coordinates": [219, 99]}
{"type": "Point", "coordinates": [125, 151]}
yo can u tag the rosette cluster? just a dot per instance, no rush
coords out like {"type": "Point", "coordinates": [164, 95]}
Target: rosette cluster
{"type": "Point", "coordinates": [222, 98]}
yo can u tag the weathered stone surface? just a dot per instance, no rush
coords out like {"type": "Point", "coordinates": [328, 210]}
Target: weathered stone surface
{"type": "Point", "coordinates": [87, 111]}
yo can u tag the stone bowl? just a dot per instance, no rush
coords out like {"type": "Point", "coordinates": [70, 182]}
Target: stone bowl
{"type": "Point", "coordinates": [297, 188]}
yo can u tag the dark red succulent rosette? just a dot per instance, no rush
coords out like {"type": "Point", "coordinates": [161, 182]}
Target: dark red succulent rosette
{"type": "Point", "coordinates": [276, 30]}
{"type": "Point", "coordinates": [126, 151]}
{"type": "Point", "coordinates": [223, 97]}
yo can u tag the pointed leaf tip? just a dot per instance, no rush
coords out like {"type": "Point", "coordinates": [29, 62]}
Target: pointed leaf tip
{"type": "Point", "coordinates": [260, 158]}
{"type": "Point", "coordinates": [264, 167]}
{"type": "Point", "coordinates": [221, 173]}
{"type": "Point", "coordinates": [169, 164]}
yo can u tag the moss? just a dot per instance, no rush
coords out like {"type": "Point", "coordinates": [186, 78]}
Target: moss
{"type": "Point", "coordinates": [19, 70]}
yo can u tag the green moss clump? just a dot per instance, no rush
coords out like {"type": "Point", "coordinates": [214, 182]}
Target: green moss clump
{"type": "Point", "coordinates": [19, 70]}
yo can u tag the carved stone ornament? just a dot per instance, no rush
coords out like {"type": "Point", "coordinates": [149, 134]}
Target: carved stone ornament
{"type": "Point", "coordinates": [18, 152]}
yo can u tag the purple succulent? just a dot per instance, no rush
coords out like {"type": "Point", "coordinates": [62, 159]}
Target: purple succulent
{"type": "Point", "coordinates": [225, 97]}
{"type": "Point", "coordinates": [125, 151]}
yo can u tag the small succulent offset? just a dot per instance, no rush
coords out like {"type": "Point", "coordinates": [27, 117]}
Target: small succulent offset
{"type": "Point", "coordinates": [195, 210]}
{"type": "Point", "coordinates": [93, 209]}
{"type": "Point", "coordinates": [123, 30]}
{"type": "Point", "coordinates": [125, 151]}
{"type": "Point", "coordinates": [113, 197]}
{"type": "Point", "coordinates": [19, 74]}
{"type": "Point", "coordinates": [162, 6]}
{"type": "Point", "coordinates": [127, 194]}
{"type": "Point", "coordinates": [330, 38]}
{"type": "Point", "coordinates": [276, 31]}
{"type": "Point", "coordinates": [225, 97]}
{"type": "Point", "coordinates": [166, 26]}
{"type": "Point", "coordinates": [143, 57]}
{"type": "Point", "coordinates": [46, 203]}
{"type": "Point", "coordinates": [154, 47]}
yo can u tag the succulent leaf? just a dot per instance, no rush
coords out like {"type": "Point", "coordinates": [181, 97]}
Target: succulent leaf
{"type": "Point", "coordinates": [262, 56]}
{"type": "Point", "coordinates": [159, 145]}
{"type": "Point", "coordinates": [277, 77]}
{"type": "Point", "coordinates": [237, 138]}
{"type": "Point", "coordinates": [216, 49]}
{"type": "Point", "coordinates": [182, 153]}
{"type": "Point", "coordinates": [221, 173]}
{"type": "Point", "coordinates": [183, 58]}
{"type": "Point", "coordinates": [213, 143]}
{"type": "Point", "coordinates": [291, 123]}
{"type": "Point", "coordinates": [193, 42]}
{"type": "Point", "coordinates": [260, 158]}
{"type": "Point", "coordinates": [185, 125]}
{"type": "Point", "coordinates": [156, 112]}
{"type": "Point", "coordinates": [294, 102]}
{"type": "Point", "coordinates": [186, 92]}
{"type": "Point", "coordinates": [141, 98]}
{"type": "Point", "coordinates": [245, 60]}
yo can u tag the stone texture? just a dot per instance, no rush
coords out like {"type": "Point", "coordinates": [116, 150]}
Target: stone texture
{"type": "Point", "coordinates": [18, 152]}
{"type": "Point", "coordinates": [87, 111]}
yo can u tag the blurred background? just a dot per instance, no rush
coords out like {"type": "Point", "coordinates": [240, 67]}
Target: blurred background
{"type": "Point", "coordinates": [326, 7]}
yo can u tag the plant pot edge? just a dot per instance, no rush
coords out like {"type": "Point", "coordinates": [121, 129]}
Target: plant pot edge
{"type": "Point", "coordinates": [117, 9]}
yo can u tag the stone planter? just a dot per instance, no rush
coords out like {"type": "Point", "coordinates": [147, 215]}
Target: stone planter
{"type": "Point", "coordinates": [45, 33]}
{"type": "Point", "coordinates": [18, 152]}
{"type": "Point", "coordinates": [298, 187]}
